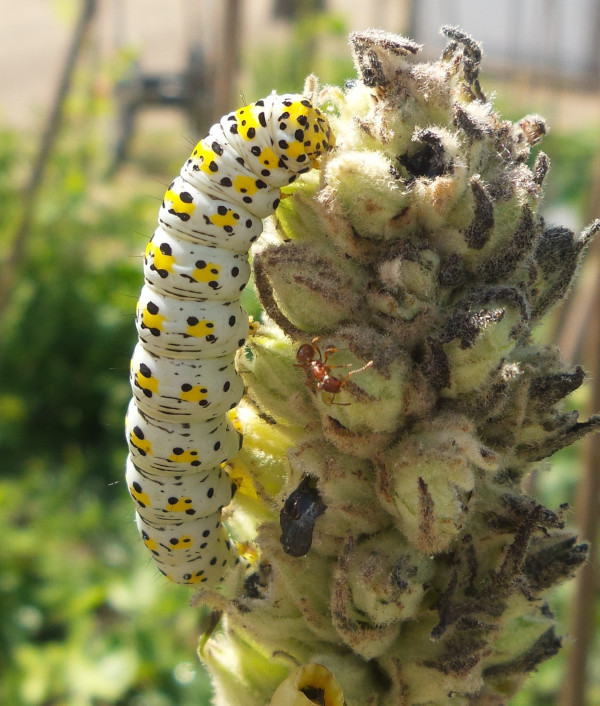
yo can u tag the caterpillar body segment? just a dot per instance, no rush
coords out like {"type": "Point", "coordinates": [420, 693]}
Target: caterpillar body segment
{"type": "Point", "coordinates": [158, 446]}
{"type": "Point", "coordinates": [194, 552]}
{"type": "Point", "coordinates": [209, 221]}
{"type": "Point", "coordinates": [190, 270]}
{"type": "Point", "coordinates": [190, 324]}
{"type": "Point", "coordinates": [188, 327]}
{"type": "Point", "coordinates": [177, 498]}
{"type": "Point", "coordinates": [183, 388]}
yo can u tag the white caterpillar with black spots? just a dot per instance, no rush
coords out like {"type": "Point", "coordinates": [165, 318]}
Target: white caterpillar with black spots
{"type": "Point", "coordinates": [190, 324]}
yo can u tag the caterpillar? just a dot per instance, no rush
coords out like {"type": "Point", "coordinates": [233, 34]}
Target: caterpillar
{"type": "Point", "coordinates": [190, 324]}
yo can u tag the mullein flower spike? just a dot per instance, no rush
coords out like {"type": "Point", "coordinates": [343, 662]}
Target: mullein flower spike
{"type": "Point", "coordinates": [396, 559]}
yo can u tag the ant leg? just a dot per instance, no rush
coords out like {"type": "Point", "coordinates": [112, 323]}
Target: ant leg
{"type": "Point", "coordinates": [332, 367]}
{"type": "Point", "coordinates": [333, 402]}
{"type": "Point", "coordinates": [341, 383]}
{"type": "Point", "coordinates": [339, 404]}
{"type": "Point", "coordinates": [314, 342]}
{"type": "Point", "coordinates": [329, 350]}
{"type": "Point", "coordinates": [354, 372]}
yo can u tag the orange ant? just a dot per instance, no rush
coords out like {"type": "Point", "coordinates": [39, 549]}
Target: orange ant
{"type": "Point", "coordinates": [318, 372]}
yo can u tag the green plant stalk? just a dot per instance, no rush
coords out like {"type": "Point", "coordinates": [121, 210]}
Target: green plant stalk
{"type": "Point", "coordinates": [416, 255]}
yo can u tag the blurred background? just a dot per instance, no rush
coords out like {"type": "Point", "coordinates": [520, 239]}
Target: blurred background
{"type": "Point", "coordinates": [99, 103]}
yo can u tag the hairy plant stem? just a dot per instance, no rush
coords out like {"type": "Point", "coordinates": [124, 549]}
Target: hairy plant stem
{"type": "Point", "coordinates": [396, 402]}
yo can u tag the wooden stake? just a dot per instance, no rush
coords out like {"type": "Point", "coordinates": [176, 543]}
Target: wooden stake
{"type": "Point", "coordinates": [11, 265]}
{"type": "Point", "coordinates": [587, 506]}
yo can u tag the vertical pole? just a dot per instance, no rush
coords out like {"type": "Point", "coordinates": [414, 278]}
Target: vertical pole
{"type": "Point", "coordinates": [412, 19]}
{"type": "Point", "coordinates": [587, 505]}
{"type": "Point", "coordinates": [227, 57]}
{"type": "Point", "coordinates": [13, 261]}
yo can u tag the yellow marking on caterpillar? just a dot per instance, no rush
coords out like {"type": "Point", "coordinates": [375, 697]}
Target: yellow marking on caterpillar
{"type": "Point", "coordinates": [182, 542]}
{"type": "Point", "coordinates": [202, 328]}
{"type": "Point", "coordinates": [145, 383]}
{"type": "Point", "coordinates": [142, 444]}
{"type": "Point", "coordinates": [297, 110]}
{"type": "Point", "coordinates": [181, 505]}
{"type": "Point", "coordinates": [268, 158]}
{"type": "Point", "coordinates": [142, 498]}
{"type": "Point", "coordinates": [159, 259]}
{"type": "Point", "coordinates": [195, 578]}
{"type": "Point", "coordinates": [150, 543]}
{"type": "Point", "coordinates": [209, 273]}
{"type": "Point", "coordinates": [295, 149]}
{"type": "Point", "coordinates": [153, 320]}
{"type": "Point", "coordinates": [178, 205]}
{"type": "Point", "coordinates": [226, 219]}
{"type": "Point", "coordinates": [196, 394]}
{"type": "Point", "coordinates": [246, 120]}
{"type": "Point", "coordinates": [184, 457]}
{"type": "Point", "coordinates": [245, 184]}
{"type": "Point", "coordinates": [205, 156]}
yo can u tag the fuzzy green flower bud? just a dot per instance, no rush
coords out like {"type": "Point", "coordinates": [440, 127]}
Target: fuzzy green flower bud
{"type": "Point", "coordinates": [241, 671]}
{"type": "Point", "coordinates": [345, 485]}
{"type": "Point", "coordinates": [318, 292]}
{"type": "Point", "coordinates": [387, 578]}
{"type": "Point", "coordinates": [270, 376]}
{"type": "Point", "coordinates": [479, 334]}
{"type": "Point", "coordinates": [377, 212]}
{"type": "Point", "coordinates": [426, 481]}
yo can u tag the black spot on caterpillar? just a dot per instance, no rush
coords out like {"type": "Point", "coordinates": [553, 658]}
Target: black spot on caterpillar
{"type": "Point", "coordinates": [190, 324]}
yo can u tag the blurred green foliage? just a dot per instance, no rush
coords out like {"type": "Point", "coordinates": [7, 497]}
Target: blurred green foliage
{"type": "Point", "coordinates": [573, 157]}
{"type": "Point", "coordinates": [84, 617]}
{"type": "Point", "coordinates": [317, 44]}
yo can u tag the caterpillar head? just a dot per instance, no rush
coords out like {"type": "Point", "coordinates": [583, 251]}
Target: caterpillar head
{"type": "Point", "coordinates": [306, 133]}
{"type": "Point", "coordinates": [278, 137]}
